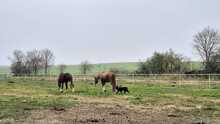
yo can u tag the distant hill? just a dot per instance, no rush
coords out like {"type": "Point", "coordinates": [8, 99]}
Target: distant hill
{"type": "Point", "coordinates": [122, 66]}
{"type": "Point", "coordinates": [75, 69]}
{"type": "Point", "coordinates": [4, 69]}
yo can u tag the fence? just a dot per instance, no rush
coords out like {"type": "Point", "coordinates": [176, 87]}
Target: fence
{"type": "Point", "coordinates": [178, 79]}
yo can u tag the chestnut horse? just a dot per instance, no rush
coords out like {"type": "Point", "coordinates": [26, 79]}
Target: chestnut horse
{"type": "Point", "coordinates": [65, 78]}
{"type": "Point", "coordinates": [106, 77]}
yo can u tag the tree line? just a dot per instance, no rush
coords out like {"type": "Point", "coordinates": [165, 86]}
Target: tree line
{"type": "Point", "coordinates": [168, 62]}
{"type": "Point", "coordinates": [35, 60]}
{"type": "Point", "coordinates": [31, 62]}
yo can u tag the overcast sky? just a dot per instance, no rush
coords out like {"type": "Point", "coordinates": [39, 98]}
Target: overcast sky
{"type": "Point", "coordinates": [104, 30]}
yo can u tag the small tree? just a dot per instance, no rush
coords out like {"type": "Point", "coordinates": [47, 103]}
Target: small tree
{"type": "Point", "coordinates": [17, 66]}
{"type": "Point", "coordinates": [47, 58]}
{"type": "Point", "coordinates": [144, 67]}
{"type": "Point", "coordinates": [85, 66]}
{"type": "Point", "coordinates": [207, 43]}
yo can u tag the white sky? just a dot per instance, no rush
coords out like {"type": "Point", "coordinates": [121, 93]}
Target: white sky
{"type": "Point", "coordinates": [104, 30]}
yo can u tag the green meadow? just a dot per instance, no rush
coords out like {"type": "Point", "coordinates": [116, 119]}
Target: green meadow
{"type": "Point", "coordinates": [19, 97]}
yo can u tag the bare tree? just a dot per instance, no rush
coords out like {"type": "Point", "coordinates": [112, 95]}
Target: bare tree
{"type": "Point", "coordinates": [62, 67]}
{"type": "Point", "coordinates": [207, 43]}
{"type": "Point", "coordinates": [34, 60]}
{"type": "Point", "coordinates": [48, 59]}
{"type": "Point", "coordinates": [17, 66]}
{"type": "Point", "coordinates": [85, 66]}
{"type": "Point", "coordinates": [18, 56]}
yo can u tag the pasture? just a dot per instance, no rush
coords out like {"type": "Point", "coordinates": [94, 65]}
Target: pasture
{"type": "Point", "coordinates": [31, 101]}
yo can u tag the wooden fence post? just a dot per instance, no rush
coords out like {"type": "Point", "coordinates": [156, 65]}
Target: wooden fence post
{"type": "Point", "coordinates": [209, 80]}
{"type": "Point", "coordinates": [133, 77]}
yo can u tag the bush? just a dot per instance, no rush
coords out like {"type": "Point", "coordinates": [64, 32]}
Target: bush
{"type": "Point", "coordinates": [168, 62]}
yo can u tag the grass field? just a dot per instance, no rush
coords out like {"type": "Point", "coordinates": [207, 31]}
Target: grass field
{"type": "Point", "coordinates": [20, 100]}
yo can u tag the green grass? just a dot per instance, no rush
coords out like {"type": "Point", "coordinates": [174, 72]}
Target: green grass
{"type": "Point", "coordinates": [15, 106]}
{"type": "Point", "coordinates": [17, 98]}
{"type": "Point", "coordinates": [187, 96]}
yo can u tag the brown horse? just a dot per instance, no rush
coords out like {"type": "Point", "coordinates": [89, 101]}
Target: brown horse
{"type": "Point", "coordinates": [106, 77]}
{"type": "Point", "coordinates": [65, 78]}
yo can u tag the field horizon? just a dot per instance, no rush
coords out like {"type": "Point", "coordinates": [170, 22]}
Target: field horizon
{"type": "Point", "coordinates": [75, 68]}
{"type": "Point", "coordinates": [128, 67]}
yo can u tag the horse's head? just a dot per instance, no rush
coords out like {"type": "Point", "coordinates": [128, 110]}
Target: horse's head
{"type": "Point", "coordinates": [97, 77]}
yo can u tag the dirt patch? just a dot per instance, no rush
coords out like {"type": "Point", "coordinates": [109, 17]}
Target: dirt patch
{"type": "Point", "coordinates": [58, 109]}
{"type": "Point", "coordinates": [101, 114]}
{"type": "Point", "coordinates": [111, 110]}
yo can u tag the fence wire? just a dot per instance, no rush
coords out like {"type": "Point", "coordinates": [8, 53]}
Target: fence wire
{"type": "Point", "coordinates": [177, 79]}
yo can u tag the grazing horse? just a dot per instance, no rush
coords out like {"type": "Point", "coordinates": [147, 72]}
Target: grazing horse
{"type": "Point", "coordinates": [106, 77]}
{"type": "Point", "coordinates": [65, 78]}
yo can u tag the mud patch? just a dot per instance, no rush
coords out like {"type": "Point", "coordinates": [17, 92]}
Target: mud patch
{"type": "Point", "coordinates": [92, 120]}
{"type": "Point", "coordinates": [97, 113]}
{"type": "Point", "coordinates": [58, 109]}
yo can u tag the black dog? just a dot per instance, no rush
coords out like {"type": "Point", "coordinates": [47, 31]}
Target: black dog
{"type": "Point", "coordinates": [121, 89]}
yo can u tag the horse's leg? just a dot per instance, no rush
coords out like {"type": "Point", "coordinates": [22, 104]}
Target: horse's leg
{"type": "Point", "coordinates": [72, 86]}
{"type": "Point", "coordinates": [66, 83]}
{"type": "Point", "coordinates": [58, 85]}
{"type": "Point", "coordinates": [61, 89]}
{"type": "Point", "coordinates": [103, 86]}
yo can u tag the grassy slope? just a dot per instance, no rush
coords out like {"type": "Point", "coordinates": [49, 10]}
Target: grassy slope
{"type": "Point", "coordinates": [75, 69]}
{"type": "Point", "coordinates": [197, 65]}
{"type": "Point", "coordinates": [4, 69]}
